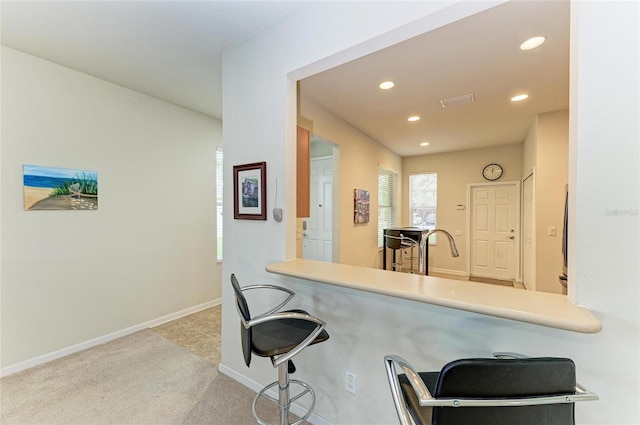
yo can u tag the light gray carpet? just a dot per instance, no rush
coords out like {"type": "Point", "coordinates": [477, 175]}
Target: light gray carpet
{"type": "Point", "coordinates": [140, 379]}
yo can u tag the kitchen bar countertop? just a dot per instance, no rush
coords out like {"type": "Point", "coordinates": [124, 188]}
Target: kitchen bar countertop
{"type": "Point", "coordinates": [539, 308]}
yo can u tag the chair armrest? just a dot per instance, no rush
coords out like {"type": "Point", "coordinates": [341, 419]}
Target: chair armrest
{"type": "Point", "coordinates": [506, 402]}
{"type": "Point", "coordinates": [296, 316]}
{"type": "Point", "coordinates": [426, 399]}
{"type": "Point", "coordinates": [416, 382]}
{"type": "Point", "coordinates": [268, 286]}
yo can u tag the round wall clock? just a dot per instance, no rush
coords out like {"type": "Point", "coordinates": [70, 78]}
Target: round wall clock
{"type": "Point", "coordinates": [492, 172]}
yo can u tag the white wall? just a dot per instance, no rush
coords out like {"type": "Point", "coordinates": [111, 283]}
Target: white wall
{"type": "Point", "coordinates": [148, 252]}
{"type": "Point", "coordinates": [364, 326]}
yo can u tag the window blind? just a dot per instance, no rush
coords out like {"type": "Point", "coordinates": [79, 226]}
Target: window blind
{"type": "Point", "coordinates": [219, 186]}
{"type": "Point", "coordinates": [387, 201]}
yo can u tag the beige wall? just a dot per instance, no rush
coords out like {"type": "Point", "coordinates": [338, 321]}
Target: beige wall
{"type": "Point", "coordinates": [548, 148]}
{"type": "Point", "coordinates": [75, 278]}
{"type": "Point", "coordinates": [360, 157]}
{"type": "Point", "coordinates": [456, 170]}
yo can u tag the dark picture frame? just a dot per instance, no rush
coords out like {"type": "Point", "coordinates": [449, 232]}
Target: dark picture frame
{"type": "Point", "coordinates": [250, 191]}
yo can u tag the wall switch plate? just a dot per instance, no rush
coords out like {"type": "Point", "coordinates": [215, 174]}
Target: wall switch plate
{"type": "Point", "coordinates": [551, 231]}
{"type": "Point", "coordinates": [350, 382]}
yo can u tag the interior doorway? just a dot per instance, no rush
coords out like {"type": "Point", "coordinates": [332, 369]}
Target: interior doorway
{"type": "Point", "coordinates": [494, 223]}
{"type": "Point", "coordinates": [320, 230]}
{"type": "Point", "coordinates": [317, 236]}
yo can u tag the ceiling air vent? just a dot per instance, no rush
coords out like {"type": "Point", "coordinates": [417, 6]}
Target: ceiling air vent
{"type": "Point", "coordinates": [457, 100]}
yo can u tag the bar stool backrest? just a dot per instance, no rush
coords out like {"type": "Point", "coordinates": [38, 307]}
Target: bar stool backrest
{"type": "Point", "coordinates": [243, 308]}
{"type": "Point", "coordinates": [393, 239]}
{"type": "Point", "coordinates": [504, 378]}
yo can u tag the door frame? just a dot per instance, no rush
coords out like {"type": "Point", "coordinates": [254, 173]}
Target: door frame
{"type": "Point", "coordinates": [531, 176]}
{"type": "Point", "coordinates": [518, 246]}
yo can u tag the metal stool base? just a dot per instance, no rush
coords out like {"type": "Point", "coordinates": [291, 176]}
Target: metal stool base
{"type": "Point", "coordinates": [284, 407]}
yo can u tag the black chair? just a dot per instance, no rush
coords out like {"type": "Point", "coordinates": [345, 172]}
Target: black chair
{"type": "Point", "coordinates": [279, 335]}
{"type": "Point", "coordinates": [397, 242]}
{"type": "Point", "coordinates": [506, 390]}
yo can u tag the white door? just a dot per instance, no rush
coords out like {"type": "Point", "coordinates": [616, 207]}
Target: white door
{"type": "Point", "coordinates": [317, 243]}
{"type": "Point", "coordinates": [495, 230]}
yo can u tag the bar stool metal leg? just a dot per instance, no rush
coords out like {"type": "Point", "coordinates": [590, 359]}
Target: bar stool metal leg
{"type": "Point", "coordinates": [284, 399]}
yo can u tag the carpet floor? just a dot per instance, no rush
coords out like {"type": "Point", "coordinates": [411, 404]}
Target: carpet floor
{"type": "Point", "coordinates": [141, 379]}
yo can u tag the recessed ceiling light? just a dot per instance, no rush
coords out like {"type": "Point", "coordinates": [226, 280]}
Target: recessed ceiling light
{"type": "Point", "coordinates": [424, 144]}
{"type": "Point", "coordinates": [413, 118]}
{"type": "Point", "coordinates": [519, 97]}
{"type": "Point", "coordinates": [386, 85]}
{"type": "Point", "coordinates": [532, 43]}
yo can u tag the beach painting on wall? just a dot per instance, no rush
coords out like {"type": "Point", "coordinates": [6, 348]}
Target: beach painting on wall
{"type": "Point", "coordinates": [51, 188]}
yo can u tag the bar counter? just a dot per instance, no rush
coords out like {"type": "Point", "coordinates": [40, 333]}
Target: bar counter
{"type": "Point", "coordinates": [539, 308]}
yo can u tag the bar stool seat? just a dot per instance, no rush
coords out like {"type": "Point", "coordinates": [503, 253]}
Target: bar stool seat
{"type": "Point", "coordinates": [279, 335]}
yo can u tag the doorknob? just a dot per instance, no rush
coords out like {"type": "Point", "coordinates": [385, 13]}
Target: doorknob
{"type": "Point", "coordinates": [511, 237]}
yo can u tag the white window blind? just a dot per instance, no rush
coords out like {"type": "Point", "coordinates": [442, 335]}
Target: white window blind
{"type": "Point", "coordinates": [423, 200]}
{"type": "Point", "coordinates": [219, 186]}
{"type": "Point", "coordinates": [387, 201]}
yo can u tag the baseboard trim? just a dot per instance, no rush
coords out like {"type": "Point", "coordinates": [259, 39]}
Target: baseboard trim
{"type": "Point", "coordinates": [27, 364]}
{"type": "Point", "coordinates": [296, 409]}
{"type": "Point", "coordinates": [447, 271]}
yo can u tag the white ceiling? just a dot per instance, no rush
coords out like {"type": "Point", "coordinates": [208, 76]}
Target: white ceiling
{"type": "Point", "coordinates": [172, 50]}
{"type": "Point", "coordinates": [478, 55]}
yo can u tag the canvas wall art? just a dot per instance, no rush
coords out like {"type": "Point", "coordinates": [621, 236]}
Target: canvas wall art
{"type": "Point", "coordinates": [360, 206]}
{"type": "Point", "coordinates": [51, 188]}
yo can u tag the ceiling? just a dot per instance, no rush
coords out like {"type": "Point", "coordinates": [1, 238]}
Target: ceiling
{"type": "Point", "coordinates": [479, 55]}
{"type": "Point", "coordinates": [172, 50]}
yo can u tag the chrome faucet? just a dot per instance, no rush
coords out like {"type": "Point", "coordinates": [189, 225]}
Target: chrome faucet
{"type": "Point", "coordinates": [423, 250]}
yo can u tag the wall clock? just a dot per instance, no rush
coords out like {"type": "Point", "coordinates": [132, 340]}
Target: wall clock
{"type": "Point", "coordinates": [492, 172]}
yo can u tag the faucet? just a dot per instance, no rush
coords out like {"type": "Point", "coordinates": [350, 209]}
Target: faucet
{"type": "Point", "coordinates": [423, 250]}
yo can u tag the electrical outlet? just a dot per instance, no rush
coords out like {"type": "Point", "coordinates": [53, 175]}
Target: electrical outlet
{"type": "Point", "coordinates": [350, 382]}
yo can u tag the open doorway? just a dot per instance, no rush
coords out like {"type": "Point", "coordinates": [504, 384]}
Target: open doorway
{"type": "Point", "coordinates": [320, 229]}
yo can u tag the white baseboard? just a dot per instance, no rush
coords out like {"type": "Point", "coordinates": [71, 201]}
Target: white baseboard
{"type": "Point", "coordinates": [296, 409]}
{"type": "Point", "coordinates": [18, 367]}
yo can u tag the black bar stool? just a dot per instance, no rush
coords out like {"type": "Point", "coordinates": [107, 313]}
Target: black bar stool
{"type": "Point", "coordinates": [506, 390]}
{"type": "Point", "coordinates": [279, 335]}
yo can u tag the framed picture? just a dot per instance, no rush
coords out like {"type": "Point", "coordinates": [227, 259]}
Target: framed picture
{"type": "Point", "coordinates": [250, 191]}
{"type": "Point", "coordinates": [360, 206]}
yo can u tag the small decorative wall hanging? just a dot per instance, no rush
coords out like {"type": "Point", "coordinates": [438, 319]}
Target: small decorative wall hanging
{"type": "Point", "coordinates": [51, 188]}
{"type": "Point", "coordinates": [360, 206]}
{"type": "Point", "coordinates": [250, 191]}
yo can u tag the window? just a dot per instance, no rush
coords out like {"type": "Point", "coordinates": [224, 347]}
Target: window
{"type": "Point", "coordinates": [423, 200]}
{"type": "Point", "coordinates": [387, 190]}
{"type": "Point", "coordinates": [219, 203]}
